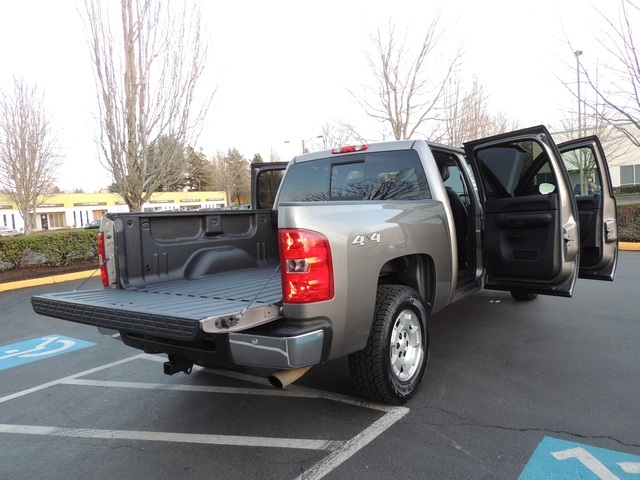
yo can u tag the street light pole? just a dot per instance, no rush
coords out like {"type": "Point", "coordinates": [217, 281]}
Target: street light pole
{"type": "Point", "coordinates": [304, 148]}
{"type": "Point", "coordinates": [577, 53]}
{"type": "Point", "coordinates": [581, 163]}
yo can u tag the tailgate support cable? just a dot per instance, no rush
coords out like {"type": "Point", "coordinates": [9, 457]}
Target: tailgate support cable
{"type": "Point", "coordinates": [92, 274]}
{"type": "Point", "coordinates": [231, 321]}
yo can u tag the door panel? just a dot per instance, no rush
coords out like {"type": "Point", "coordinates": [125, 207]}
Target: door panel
{"type": "Point", "coordinates": [519, 237]}
{"type": "Point", "coordinates": [530, 220]}
{"type": "Point", "coordinates": [587, 167]}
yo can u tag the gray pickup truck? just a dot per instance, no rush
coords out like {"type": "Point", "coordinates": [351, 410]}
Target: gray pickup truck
{"type": "Point", "coordinates": [348, 252]}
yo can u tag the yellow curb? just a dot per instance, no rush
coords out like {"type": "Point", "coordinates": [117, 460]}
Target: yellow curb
{"type": "Point", "coordinates": [635, 247]}
{"type": "Point", "coordinates": [36, 282]}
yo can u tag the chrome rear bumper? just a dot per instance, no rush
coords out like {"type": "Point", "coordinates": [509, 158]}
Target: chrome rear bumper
{"type": "Point", "coordinates": [276, 352]}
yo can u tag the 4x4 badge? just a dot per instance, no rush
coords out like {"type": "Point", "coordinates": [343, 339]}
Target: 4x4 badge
{"type": "Point", "coordinates": [363, 239]}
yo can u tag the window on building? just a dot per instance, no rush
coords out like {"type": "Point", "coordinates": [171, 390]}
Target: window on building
{"type": "Point", "coordinates": [56, 220]}
{"type": "Point", "coordinates": [630, 175]}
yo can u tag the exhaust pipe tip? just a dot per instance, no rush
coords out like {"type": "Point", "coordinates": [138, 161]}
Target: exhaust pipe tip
{"type": "Point", "coordinates": [283, 378]}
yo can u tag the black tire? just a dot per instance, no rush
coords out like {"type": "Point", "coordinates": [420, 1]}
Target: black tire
{"type": "Point", "coordinates": [524, 296]}
{"type": "Point", "coordinates": [389, 370]}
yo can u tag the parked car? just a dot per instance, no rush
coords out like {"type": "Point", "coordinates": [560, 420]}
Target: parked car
{"type": "Point", "coordinates": [94, 224]}
{"type": "Point", "coordinates": [7, 232]}
{"type": "Point", "coordinates": [592, 189]}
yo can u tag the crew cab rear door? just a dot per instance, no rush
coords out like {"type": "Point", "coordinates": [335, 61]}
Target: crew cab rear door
{"type": "Point", "coordinates": [586, 164]}
{"type": "Point", "coordinates": [530, 220]}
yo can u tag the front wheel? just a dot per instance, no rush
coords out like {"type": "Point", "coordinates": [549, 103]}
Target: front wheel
{"type": "Point", "coordinates": [391, 366]}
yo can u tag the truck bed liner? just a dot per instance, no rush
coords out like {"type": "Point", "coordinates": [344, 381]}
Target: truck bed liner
{"type": "Point", "coordinates": [173, 309]}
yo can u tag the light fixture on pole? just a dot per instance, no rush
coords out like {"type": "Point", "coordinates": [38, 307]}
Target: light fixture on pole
{"type": "Point", "coordinates": [304, 148]}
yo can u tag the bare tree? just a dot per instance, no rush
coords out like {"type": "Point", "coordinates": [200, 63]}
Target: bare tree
{"type": "Point", "coordinates": [28, 153]}
{"type": "Point", "coordinates": [274, 156]}
{"type": "Point", "coordinates": [148, 65]}
{"type": "Point", "coordinates": [339, 134]}
{"type": "Point", "coordinates": [589, 115]}
{"type": "Point", "coordinates": [619, 88]}
{"type": "Point", "coordinates": [467, 116]}
{"type": "Point", "coordinates": [408, 87]}
{"type": "Point", "coordinates": [232, 174]}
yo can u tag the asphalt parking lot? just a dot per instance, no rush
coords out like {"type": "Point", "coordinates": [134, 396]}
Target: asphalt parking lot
{"type": "Point", "coordinates": [542, 389]}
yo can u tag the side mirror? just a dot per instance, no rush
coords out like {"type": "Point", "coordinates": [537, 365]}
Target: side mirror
{"type": "Point", "coordinates": [545, 188]}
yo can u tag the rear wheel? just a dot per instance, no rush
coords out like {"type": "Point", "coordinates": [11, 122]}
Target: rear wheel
{"type": "Point", "coordinates": [391, 366]}
{"type": "Point", "coordinates": [524, 296]}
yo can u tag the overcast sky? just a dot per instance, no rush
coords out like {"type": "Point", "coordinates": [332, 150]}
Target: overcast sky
{"type": "Point", "coordinates": [282, 68]}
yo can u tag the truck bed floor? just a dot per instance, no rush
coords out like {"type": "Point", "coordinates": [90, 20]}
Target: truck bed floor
{"type": "Point", "coordinates": [172, 309]}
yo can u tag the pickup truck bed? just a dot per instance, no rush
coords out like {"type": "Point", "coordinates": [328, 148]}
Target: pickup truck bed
{"type": "Point", "coordinates": [183, 303]}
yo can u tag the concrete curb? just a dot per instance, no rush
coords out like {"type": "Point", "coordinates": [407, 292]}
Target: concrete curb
{"type": "Point", "coordinates": [628, 246]}
{"type": "Point", "coordinates": [36, 282]}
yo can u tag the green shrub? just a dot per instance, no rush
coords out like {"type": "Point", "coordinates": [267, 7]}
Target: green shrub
{"type": "Point", "coordinates": [629, 223]}
{"type": "Point", "coordinates": [62, 248]}
{"type": "Point", "coordinates": [14, 252]}
{"type": "Point", "coordinates": [626, 189]}
{"type": "Point", "coordinates": [59, 248]}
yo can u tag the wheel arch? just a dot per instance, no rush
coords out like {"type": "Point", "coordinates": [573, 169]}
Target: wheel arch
{"type": "Point", "coordinates": [416, 271]}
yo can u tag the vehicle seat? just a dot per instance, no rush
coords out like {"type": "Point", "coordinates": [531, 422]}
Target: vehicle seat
{"type": "Point", "coordinates": [459, 212]}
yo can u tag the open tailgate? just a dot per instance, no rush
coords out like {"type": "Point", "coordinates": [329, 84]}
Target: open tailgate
{"type": "Point", "coordinates": [179, 310]}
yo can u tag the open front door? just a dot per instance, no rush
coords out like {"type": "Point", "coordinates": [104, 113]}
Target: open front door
{"type": "Point", "coordinates": [530, 231]}
{"type": "Point", "coordinates": [586, 164]}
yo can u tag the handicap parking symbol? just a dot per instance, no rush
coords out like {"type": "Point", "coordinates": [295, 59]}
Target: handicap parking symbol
{"type": "Point", "coordinates": [560, 459]}
{"type": "Point", "coordinates": [38, 349]}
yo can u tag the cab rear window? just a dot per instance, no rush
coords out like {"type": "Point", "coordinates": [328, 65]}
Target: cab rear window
{"type": "Point", "coordinates": [395, 175]}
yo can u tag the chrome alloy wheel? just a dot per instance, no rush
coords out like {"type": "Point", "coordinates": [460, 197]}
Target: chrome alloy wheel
{"type": "Point", "coordinates": [406, 352]}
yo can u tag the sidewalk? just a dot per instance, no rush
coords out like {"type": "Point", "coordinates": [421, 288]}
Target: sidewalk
{"type": "Point", "coordinates": [36, 282]}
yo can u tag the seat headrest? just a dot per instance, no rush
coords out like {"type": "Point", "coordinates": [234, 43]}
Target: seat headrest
{"type": "Point", "coordinates": [444, 171]}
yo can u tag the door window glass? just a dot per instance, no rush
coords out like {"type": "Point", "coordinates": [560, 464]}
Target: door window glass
{"type": "Point", "coordinates": [516, 169]}
{"type": "Point", "coordinates": [583, 171]}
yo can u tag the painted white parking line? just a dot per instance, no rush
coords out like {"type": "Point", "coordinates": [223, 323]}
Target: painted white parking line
{"type": "Point", "coordinates": [238, 441]}
{"type": "Point", "coordinates": [188, 388]}
{"type": "Point", "coordinates": [351, 447]}
{"type": "Point", "coordinates": [358, 402]}
{"type": "Point", "coordinates": [339, 451]}
{"type": "Point", "coordinates": [75, 375]}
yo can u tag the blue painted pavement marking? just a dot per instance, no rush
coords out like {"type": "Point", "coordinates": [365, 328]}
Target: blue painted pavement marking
{"type": "Point", "coordinates": [560, 459]}
{"type": "Point", "coordinates": [38, 349]}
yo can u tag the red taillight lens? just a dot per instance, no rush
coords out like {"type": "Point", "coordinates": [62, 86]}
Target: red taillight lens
{"type": "Point", "coordinates": [349, 149]}
{"type": "Point", "coordinates": [101, 257]}
{"type": "Point", "coordinates": [307, 273]}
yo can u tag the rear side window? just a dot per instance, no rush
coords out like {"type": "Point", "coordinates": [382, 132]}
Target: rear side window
{"type": "Point", "coordinates": [396, 175]}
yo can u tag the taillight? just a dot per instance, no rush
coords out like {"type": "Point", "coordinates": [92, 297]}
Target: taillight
{"type": "Point", "coordinates": [349, 149]}
{"type": "Point", "coordinates": [305, 259]}
{"type": "Point", "coordinates": [101, 258]}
